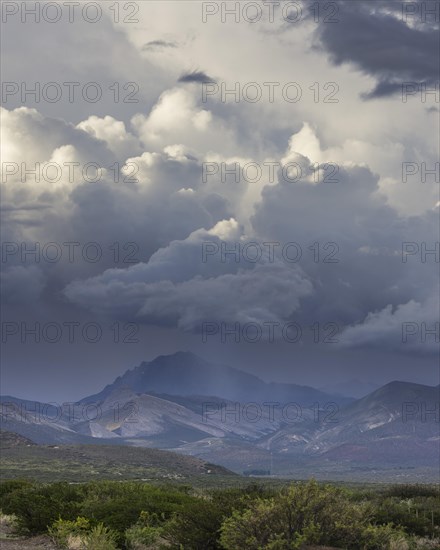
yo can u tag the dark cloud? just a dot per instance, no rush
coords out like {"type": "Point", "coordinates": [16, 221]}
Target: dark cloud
{"type": "Point", "coordinates": [195, 76]}
{"type": "Point", "coordinates": [158, 44]}
{"type": "Point", "coordinates": [367, 288]}
{"type": "Point", "coordinates": [170, 212]}
{"type": "Point", "coordinates": [378, 40]}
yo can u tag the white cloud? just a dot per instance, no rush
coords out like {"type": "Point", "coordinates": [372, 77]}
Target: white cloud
{"type": "Point", "coordinates": [412, 326]}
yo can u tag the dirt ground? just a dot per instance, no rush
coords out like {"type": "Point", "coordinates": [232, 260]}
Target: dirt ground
{"type": "Point", "coordinates": [34, 543]}
{"type": "Point", "coordinates": [44, 543]}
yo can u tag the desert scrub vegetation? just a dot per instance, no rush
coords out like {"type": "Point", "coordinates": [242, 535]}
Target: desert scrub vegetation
{"type": "Point", "coordinates": [69, 534]}
{"type": "Point", "coordinates": [8, 523]}
{"type": "Point", "coordinates": [112, 515]}
{"type": "Point", "coordinates": [81, 535]}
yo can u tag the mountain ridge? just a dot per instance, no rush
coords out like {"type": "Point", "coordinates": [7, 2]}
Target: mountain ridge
{"type": "Point", "coordinates": [191, 376]}
{"type": "Point", "coordinates": [395, 425]}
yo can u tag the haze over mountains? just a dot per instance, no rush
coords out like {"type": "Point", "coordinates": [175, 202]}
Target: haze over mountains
{"type": "Point", "coordinates": [186, 374]}
{"type": "Point", "coordinates": [223, 415]}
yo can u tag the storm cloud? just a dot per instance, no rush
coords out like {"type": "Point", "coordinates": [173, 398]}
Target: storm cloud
{"type": "Point", "coordinates": [392, 43]}
{"type": "Point", "coordinates": [184, 208]}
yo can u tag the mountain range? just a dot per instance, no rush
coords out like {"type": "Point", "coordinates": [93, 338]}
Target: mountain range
{"type": "Point", "coordinates": [184, 403]}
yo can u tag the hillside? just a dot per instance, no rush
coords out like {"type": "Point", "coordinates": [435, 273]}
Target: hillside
{"type": "Point", "coordinates": [92, 462]}
{"type": "Point", "coordinates": [11, 439]}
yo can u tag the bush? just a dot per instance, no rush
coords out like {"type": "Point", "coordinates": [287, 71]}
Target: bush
{"type": "Point", "coordinates": [251, 528]}
{"type": "Point", "coordinates": [398, 543]}
{"type": "Point", "coordinates": [119, 505]}
{"type": "Point", "coordinates": [140, 537]}
{"type": "Point", "coordinates": [417, 516]}
{"type": "Point", "coordinates": [38, 506]}
{"type": "Point", "coordinates": [305, 513]}
{"type": "Point", "coordinates": [412, 491]}
{"type": "Point", "coordinates": [63, 531]}
{"type": "Point", "coordinates": [423, 543]}
{"type": "Point", "coordinates": [146, 533]}
{"type": "Point", "coordinates": [101, 538]}
{"type": "Point", "coordinates": [11, 485]}
{"type": "Point", "coordinates": [383, 537]}
{"type": "Point", "coordinates": [8, 523]}
{"type": "Point", "coordinates": [81, 535]}
{"type": "Point", "coordinates": [196, 527]}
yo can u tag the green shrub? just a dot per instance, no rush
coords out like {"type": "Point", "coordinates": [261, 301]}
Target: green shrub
{"type": "Point", "coordinates": [120, 505]}
{"type": "Point", "coordinates": [304, 513]}
{"type": "Point", "coordinates": [38, 506]}
{"type": "Point", "coordinates": [383, 537]}
{"type": "Point", "coordinates": [146, 533]}
{"type": "Point", "coordinates": [140, 537]}
{"type": "Point", "coordinates": [101, 538]}
{"type": "Point", "coordinates": [62, 531]}
{"type": "Point", "coordinates": [11, 485]}
{"type": "Point", "coordinates": [197, 526]}
{"type": "Point", "coordinates": [412, 491]}
{"type": "Point", "coordinates": [417, 515]}
{"type": "Point", "coordinates": [8, 523]}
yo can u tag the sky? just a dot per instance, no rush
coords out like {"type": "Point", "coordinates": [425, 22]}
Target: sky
{"type": "Point", "coordinates": [256, 182]}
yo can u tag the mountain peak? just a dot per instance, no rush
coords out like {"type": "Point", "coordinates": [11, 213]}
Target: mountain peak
{"type": "Point", "coordinates": [178, 356]}
{"type": "Point", "coordinates": [186, 374]}
{"type": "Point", "coordinates": [397, 392]}
{"type": "Point", "coordinates": [401, 386]}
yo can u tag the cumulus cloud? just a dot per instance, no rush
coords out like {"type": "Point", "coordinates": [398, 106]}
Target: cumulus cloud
{"type": "Point", "coordinates": [266, 293]}
{"type": "Point", "coordinates": [350, 238]}
{"type": "Point", "coordinates": [29, 137]}
{"type": "Point", "coordinates": [361, 238]}
{"type": "Point", "coordinates": [122, 143]}
{"type": "Point", "coordinates": [176, 118]}
{"type": "Point", "coordinates": [410, 327]}
{"type": "Point", "coordinates": [180, 287]}
{"type": "Point", "coordinates": [349, 265]}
